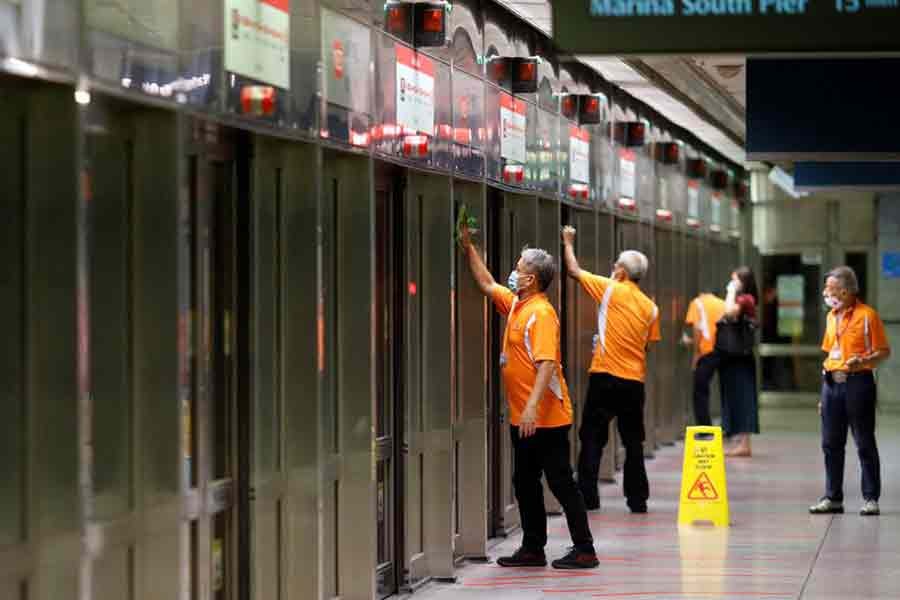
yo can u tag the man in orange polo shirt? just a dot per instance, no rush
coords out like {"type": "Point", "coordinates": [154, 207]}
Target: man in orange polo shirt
{"type": "Point", "coordinates": [627, 321]}
{"type": "Point", "coordinates": [855, 343]}
{"type": "Point", "coordinates": [703, 314]}
{"type": "Point", "coordinates": [540, 412]}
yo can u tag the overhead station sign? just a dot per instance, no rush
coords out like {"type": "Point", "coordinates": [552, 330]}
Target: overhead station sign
{"type": "Point", "coordinates": [622, 27]}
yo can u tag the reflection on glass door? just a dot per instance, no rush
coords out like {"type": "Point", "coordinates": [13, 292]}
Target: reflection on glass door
{"type": "Point", "coordinates": [792, 317]}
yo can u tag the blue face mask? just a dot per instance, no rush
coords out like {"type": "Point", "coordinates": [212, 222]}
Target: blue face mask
{"type": "Point", "coordinates": [512, 282]}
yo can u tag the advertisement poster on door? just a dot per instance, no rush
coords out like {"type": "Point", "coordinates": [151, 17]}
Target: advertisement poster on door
{"type": "Point", "coordinates": [579, 155]}
{"type": "Point", "coordinates": [415, 90]}
{"type": "Point", "coordinates": [627, 174]}
{"type": "Point", "coordinates": [790, 305]}
{"type": "Point", "coordinates": [257, 40]}
{"type": "Point", "coordinates": [513, 128]}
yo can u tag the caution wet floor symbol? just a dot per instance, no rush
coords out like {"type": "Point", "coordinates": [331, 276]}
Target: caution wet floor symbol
{"type": "Point", "coordinates": [704, 495]}
{"type": "Point", "coordinates": [703, 489]}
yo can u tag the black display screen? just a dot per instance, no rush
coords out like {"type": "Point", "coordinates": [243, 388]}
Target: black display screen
{"type": "Point", "coordinates": [623, 27]}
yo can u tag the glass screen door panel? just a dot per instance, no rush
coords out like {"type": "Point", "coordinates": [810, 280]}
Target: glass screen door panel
{"type": "Point", "coordinates": [791, 322]}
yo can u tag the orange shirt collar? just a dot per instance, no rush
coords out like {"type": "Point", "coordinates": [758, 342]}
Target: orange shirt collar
{"type": "Point", "coordinates": [521, 303]}
{"type": "Point", "coordinates": [846, 312]}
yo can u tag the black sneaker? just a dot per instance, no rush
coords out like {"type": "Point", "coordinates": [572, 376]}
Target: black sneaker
{"type": "Point", "coordinates": [523, 558]}
{"type": "Point", "coordinates": [577, 560]}
{"type": "Point", "coordinates": [638, 509]}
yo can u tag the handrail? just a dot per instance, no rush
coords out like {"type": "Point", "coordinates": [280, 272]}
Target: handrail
{"type": "Point", "coordinates": [803, 350]}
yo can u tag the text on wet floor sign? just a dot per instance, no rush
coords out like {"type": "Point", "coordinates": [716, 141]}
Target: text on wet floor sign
{"type": "Point", "coordinates": [704, 494]}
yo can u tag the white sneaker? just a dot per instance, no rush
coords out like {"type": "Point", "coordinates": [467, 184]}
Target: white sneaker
{"type": "Point", "coordinates": [870, 509]}
{"type": "Point", "coordinates": [827, 506]}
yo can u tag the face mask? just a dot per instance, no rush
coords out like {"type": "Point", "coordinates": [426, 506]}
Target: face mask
{"type": "Point", "coordinates": [512, 282]}
{"type": "Point", "coordinates": [832, 302]}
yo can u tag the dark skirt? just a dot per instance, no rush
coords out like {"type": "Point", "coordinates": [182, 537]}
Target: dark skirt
{"type": "Point", "coordinates": [740, 406]}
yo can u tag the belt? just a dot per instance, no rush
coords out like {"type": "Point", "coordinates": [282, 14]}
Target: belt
{"type": "Point", "coordinates": [842, 376]}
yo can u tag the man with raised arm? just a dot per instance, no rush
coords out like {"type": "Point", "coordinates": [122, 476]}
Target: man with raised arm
{"type": "Point", "coordinates": [540, 412]}
{"type": "Point", "coordinates": [627, 321]}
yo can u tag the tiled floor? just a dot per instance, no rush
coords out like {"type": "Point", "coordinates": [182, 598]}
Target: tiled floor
{"type": "Point", "coordinates": [773, 550]}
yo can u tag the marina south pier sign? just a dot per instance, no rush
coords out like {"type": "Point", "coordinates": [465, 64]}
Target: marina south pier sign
{"type": "Point", "coordinates": [806, 27]}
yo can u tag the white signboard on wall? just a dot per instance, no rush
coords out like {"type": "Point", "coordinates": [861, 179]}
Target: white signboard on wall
{"type": "Point", "coordinates": [627, 173]}
{"type": "Point", "coordinates": [694, 199]}
{"type": "Point", "coordinates": [716, 216]}
{"type": "Point", "coordinates": [346, 53]}
{"type": "Point", "coordinates": [579, 155]}
{"type": "Point", "coordinates": [512, 128]}
{"type": "Point", "coordinates": [415, 90]}
{"type": "Point", "coordinates": [257, 40]}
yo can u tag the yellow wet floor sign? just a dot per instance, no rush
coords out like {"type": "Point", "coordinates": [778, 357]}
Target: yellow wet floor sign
{"type": "Point", "coordinates": [704, 495]}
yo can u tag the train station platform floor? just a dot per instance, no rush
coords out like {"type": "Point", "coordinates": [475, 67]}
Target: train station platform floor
{"type": "Point", "coordinates": [773, 550]}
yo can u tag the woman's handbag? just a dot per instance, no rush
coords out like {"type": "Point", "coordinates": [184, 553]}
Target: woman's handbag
{"type": "Point", "coordinates": [736, 338]}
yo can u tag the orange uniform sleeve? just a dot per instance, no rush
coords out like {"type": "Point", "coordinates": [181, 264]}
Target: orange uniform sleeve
{"type": "Point", "coordinates": [828, 338]}
{"type": "Point", "coordinates": [503, 298]}
{"type": "Point", "coordinates": [692, 316]}
{"type": "Point", "coordinates": [544, 336]}
{"type": "Point", "coordinates": [877, 336]}
{"type": "Point", "coordinates": [654, 327]}
{"type": "Point", "coordinates": [595, 285]}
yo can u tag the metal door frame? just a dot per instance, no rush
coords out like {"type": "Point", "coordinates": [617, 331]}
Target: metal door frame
{"type": "Point", "coordinates": [207, 497]}
{"type": "Point", "coordinates": [391, 181]}
{"type": "Point", "coordinates": [781, 350]}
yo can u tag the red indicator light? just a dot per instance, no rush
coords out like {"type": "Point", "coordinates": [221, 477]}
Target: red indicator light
{"type": "Point", "coordinates": [415, 146]}
{"type": "Point", "coordinates": [514, 173]}
{"type": "Point", "coordinates": [257, 100]}
{"type": "Point", "coordinates": [627, 204]}
{"type": "Point", "coordinates": [397, 19]}
{"type": "Point", "coordinates": [527, 71]}
{"type": "Point", "coordinates": [413, 289]}
{"type": "Point", "coordinates": [592, 105]}
{"type": "Point", "coordinates": [433, 20]}
{"type": "Point", "coordinates": [498, 69]}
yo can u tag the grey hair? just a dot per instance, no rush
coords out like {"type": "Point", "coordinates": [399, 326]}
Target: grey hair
{"type": "Point", "coordinates": [542, 264]}
{"type": "Point", "coordinates": [846, 278]}
{"type": "Point", "coordinates": [635, 264]}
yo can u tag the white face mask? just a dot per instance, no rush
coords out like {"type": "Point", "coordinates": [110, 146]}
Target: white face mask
{"type": "Point", "coordinates": [512, 282]}
{"type": "Point", "coordinates": [832, 302]}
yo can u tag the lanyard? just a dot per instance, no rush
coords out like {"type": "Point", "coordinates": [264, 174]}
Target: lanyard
{"type": "Point", "coordinates": [838, 330]}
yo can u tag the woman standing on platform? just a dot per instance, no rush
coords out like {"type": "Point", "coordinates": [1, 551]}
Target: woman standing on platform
{"type": "Point", "coordinates": [740, 407]}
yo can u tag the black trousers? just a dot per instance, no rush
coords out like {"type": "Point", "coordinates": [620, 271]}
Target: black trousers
{"type": "Point", "coordinates": [850, 404]}
{"type": "Point", "coordinates": [703, 374]}
{"type": "Point", "coordinates": [610, 397]}
{"type": "Point", "coordinates": [547, 452]}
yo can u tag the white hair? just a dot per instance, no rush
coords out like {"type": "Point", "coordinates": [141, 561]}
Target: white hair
{"type": "Point", "coordinates": [541, 263]}
{"type": "Point", "coordinates": [635, 264]}
{"type": "Point", "coordinates": [846, 278]}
